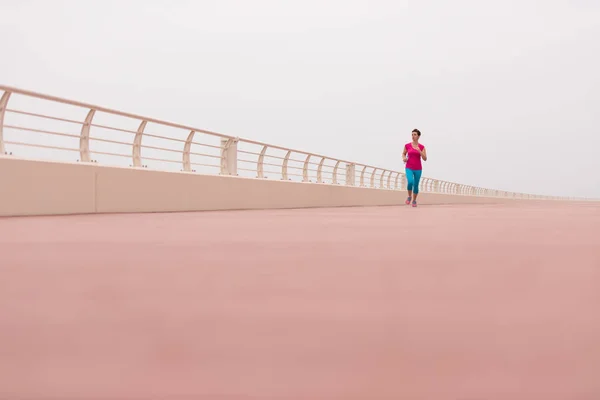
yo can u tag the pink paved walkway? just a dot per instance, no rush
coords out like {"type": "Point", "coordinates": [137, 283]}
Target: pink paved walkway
{"type": "Point", "coordinates": [439, 302]}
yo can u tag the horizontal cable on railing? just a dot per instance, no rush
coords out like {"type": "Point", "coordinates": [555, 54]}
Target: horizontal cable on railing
{"type": "Point", "coordinates": [272, 165]}
{"type": "Point", "coordinates": [110, 154]}
{"type": "Point", "coordinates": [43, 116]}
{"type": "Point", "coordinates": [145, 146]}
{"type": "Point", "coordinates": [270, 172]}
{"type": "Point", "coordinates": [109, 141]}
{"type": "Point", "coordinates": [246, 169]}
{"type": "Point", "coordinates": [113, 129]}
{"type": "Point", "coordinates": [249, 152]}
{"type": "Point", "coordinates": [163, 137]}
{"type": "Point", "coordinates": [39, 145]}
{"type": "Point", "coordinates": [20, 128]}
{"type": "Point", "coordinates": [205, 165]}
{"type": "Point", "coordinates": [212, 146]}
{"type": "Point", "coordinates": [204, 155]}
{"type": "Point", "coordinates": [270, 156]}
{"type": "Point", "coordinates": [161, 159]}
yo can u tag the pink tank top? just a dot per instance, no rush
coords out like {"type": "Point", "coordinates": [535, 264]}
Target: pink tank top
{"type": "Point", "coordinates": [414, 158]}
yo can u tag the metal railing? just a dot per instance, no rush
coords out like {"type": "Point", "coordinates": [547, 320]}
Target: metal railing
{"type": "Point", "coordinates": [34, 125]}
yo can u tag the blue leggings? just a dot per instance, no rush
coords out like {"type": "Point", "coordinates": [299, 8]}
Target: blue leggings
{"type": "Point", "coordinates": [413, 176]}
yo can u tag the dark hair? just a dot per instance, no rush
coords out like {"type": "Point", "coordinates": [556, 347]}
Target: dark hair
{"type": "Point", "coordinates": [418, 131]}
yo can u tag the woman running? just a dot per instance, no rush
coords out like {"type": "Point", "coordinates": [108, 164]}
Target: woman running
{"type": "Point", "coordinates": [412, 154]}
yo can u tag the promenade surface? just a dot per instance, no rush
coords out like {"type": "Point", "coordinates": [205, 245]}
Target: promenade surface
{"type": "Point", "coordinates": [469, 302]}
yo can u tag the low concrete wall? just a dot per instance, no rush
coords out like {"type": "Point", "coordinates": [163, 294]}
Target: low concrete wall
{"type": "Point", "coordinates": [29, 187]}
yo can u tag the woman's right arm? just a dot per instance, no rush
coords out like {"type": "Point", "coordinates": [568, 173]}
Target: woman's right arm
{"type": "Point", "coordinates": [404, 155]}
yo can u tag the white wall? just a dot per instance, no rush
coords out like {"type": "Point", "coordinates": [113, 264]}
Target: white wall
{"type": "Point", "coordinates": [30, 187]}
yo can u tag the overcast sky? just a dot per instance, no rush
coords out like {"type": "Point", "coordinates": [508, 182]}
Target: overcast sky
{"type": "Point", "coordinates": [506, 93]}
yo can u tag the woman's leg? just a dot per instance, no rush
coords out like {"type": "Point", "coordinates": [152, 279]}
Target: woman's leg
{"type": "Point", "coordinates": [417, 178]}
{"type": "Point", "coordinates": [410, 179]}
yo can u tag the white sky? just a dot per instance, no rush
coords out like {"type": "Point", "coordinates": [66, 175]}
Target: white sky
{"type": "Point", "coordinates": [506, 93]}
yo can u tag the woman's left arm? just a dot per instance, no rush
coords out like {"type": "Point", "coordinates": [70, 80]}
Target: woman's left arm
{"type": "Point", "coordinates": [424, 154]}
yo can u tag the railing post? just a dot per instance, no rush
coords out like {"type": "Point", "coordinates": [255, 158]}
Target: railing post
{"type": "Point", "coordinates": [350, 174]}
{"type": "Point", "coordinates": [229, 156]}
{"type": "Point", "coordinates": [84, 139]}
{"type": "Point", "coordinates": [260, 170]}
{"type": "Point", "coordinates": [3, 105]}
{"type": "Point", "coordinates": [284, 172]}
{"type": "Point", "coordinates": [187, 148]}
{"type": "Point", "coordinates": [381, 179]}
{"type": "Point", "coordinates": [396, 181]}
{"type": "Point", "coordinates": [362, 176]}
{"type": "Point", "coordinates": [320, 170]}
{"type": "Point", "coordinates": [389, 181]}
{"type": "Point", "coordinates": [373, 177]}
{"type": "Point", "coordinates": [305, 169]}
{"type": "Point", "coordinates": [335, 169]}
{"type": "Point", "coordinates": [137, 145]}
